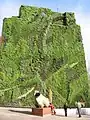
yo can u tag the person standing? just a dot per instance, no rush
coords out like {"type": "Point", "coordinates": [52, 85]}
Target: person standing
{"type": "Point", "coordinates": [65, 109]}
{"type": "Point", "coordinates": [53, 112]}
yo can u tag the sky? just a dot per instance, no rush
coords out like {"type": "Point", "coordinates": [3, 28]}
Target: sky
{"type": "Point", "coordinates": [81, 9]}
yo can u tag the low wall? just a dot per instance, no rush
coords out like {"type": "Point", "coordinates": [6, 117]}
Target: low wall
{"type": "Point", "coordinates": [73, 111]}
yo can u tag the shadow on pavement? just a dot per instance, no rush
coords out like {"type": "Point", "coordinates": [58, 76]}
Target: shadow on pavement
{"type": "Point", "coordinates": [24, 112]}
{"type": "Point", "coordinates": [60, 115]}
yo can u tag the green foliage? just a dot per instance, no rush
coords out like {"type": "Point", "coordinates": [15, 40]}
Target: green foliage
{"type": "Point", "coordinates": [43, 50]}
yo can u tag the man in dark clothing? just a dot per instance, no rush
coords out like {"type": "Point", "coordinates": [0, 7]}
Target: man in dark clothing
{"type": "Point", "coordinates": [65, 109]}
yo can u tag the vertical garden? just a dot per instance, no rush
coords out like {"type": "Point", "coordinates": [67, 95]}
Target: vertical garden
{"type": "Point", "coordinates": [42, 49]}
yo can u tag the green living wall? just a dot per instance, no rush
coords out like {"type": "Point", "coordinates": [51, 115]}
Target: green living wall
{"type": "Point", "coordinates": [42, 49]}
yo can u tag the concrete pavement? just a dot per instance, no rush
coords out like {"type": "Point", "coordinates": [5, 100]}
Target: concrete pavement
{"type": "Point", "coordinates": [25, 114]}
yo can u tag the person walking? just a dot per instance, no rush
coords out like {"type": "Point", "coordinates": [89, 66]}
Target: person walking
{"type": "Point", "coordinates": [78, 106]}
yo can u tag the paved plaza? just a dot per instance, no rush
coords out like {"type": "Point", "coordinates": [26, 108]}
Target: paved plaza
{"type": "Point", "coordinates": [25, 114]}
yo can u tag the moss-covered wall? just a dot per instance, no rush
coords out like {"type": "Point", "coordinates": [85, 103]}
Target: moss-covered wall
{"type": "Point", "coordinates": [45, 49]}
